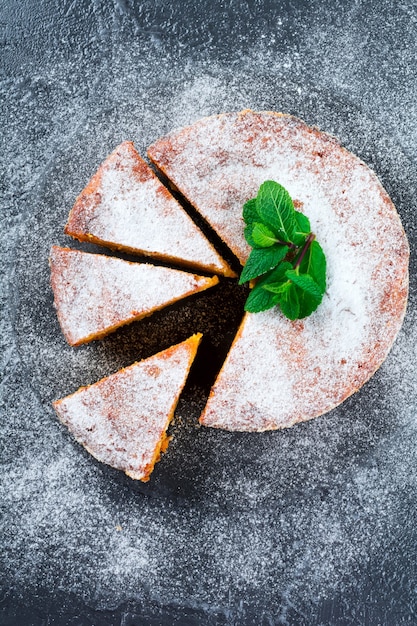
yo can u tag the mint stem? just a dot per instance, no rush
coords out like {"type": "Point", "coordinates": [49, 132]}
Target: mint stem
{"type": "Point", "coordinates": [286, 243]}
{"type": "Point", "coordinates": [306, 246]}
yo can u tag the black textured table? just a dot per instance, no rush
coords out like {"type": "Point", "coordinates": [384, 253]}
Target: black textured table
{"type": "Point", "coordinates": [314, 525]}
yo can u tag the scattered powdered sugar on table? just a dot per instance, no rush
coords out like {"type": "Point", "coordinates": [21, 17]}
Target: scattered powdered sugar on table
{"type": "Point", "coordinates": [276, 528]}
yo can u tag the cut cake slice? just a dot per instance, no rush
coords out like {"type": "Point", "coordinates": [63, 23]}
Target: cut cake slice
{"type": "Point", "coordinates": [280, 372]}
{"type": "Point", "coordinates": [95, 294]}
{"type": "Point", "coordinates": [125, 207]}
{"type": "Point", "coordinates": [122, 419]}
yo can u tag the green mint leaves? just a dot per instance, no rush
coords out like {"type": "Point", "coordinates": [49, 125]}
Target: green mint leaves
{"type": "Point", "coordinates": [287, 261]}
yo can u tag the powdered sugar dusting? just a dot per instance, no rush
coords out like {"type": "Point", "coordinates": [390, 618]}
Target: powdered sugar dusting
{"type": "Point", "coordinates": [95, 294]}
{"type": "Point", "coordinates": [219, 163]}
{"type": "Point", "coordinates": [125, 206]}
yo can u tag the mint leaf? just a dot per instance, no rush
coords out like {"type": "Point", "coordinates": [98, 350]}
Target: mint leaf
{"type": "Point", "coordinates": [273, 280]}
{"type": "Point", "coordinates": [262, 236]}
{"type": "Point", "coordinates": [309, 293]}
{"type": "Point", "coordinates": [278, 287]}
{"type": "Point", "coordinates": [277, 274]}
{"type": "Point", "coordinates": [314, 264]}
{"type": "Point", "coordinates": [308, 303]}
{"type": "Point", "coordinates": [289, 301]}
{"type": "Point", "coordinates": [276, 209]}
{"type": "Point", "coordinates": [248, 235]}
{"type": "Point", "coordinates": [302, 223]}
{"type": "Point", "coordinates": [260, 300]}
{"type": "Point", "coordinates": [302, 229]}
{"type": "Point", "coordinates": [304, 282]}
{"type": "Point", "coordinates": [250, 212]}
{"type": "Point", "coordinates": [287, 261]}
{"type": "Point", "coordinates": [261, 260]}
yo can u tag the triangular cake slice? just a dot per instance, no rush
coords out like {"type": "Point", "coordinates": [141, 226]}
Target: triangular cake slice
{"type": "Point", "coordinates": [280, 372]}
{"type": "Point", "coordinates": [125, 207]}
{"type": "Point", "coordinates": [122, 419]}
{"type": "Point", "coordinates": [95, 294]}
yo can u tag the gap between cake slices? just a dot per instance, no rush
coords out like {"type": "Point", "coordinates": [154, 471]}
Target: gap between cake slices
{"type": "Point", "coordinates": [125, 207]}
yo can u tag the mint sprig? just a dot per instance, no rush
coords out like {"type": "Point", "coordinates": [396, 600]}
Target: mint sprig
{"type": "Point", "coordinates": [287, 261]}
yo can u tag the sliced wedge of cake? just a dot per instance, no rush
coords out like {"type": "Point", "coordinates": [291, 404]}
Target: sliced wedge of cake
{"type": "Point", "coordinates": [122, 419]}
{"type": "Point", "coordinates": [95, 294]}
{"type": "Point", "coordinates": [280, 372]}
{"type": "Point", "coordinates": [125, 207]}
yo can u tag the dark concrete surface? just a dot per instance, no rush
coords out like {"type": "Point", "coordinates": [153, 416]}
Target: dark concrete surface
{"type": "Point", "coordinates": [310, 526]}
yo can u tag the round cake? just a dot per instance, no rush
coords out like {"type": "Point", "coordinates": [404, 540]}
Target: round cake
{"type": "Point", "coordinates": [280, 372]}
